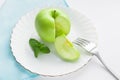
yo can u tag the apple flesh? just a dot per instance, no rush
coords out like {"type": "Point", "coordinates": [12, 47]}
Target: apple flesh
{"type": "Point", "coordinates": [51, 23]}
{"type": "Point", "coordinates": [65, 49]}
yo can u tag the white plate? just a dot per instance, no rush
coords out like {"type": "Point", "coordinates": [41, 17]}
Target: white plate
{"type": "Point", "coordinates": [50, 64]}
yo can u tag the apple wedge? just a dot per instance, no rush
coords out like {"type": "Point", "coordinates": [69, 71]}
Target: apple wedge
{"type": "Point", "coordinates": [65, 49]}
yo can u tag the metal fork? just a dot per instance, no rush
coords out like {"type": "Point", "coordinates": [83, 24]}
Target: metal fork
{"type": "Point", "coordinates": [92, 48]}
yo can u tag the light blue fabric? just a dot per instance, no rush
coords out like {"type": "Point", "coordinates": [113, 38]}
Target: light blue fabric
{"type": "Point", "coordinates": [10, 13]}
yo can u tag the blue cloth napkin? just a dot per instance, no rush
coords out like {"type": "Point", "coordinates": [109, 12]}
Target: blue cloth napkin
{"type": "Point", "coordinates": [10, 13]}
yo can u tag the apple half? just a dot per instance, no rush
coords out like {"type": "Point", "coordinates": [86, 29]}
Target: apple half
{"type": "Point", "coordinates": [65, 49]}
{"type": "Point", "coordinates": [51, 23]}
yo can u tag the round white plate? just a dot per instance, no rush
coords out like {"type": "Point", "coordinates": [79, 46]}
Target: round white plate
{"type": "Point", "coordinates": [50, 64]}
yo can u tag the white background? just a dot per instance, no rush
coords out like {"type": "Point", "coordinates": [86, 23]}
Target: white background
{"type": "Point", "coordinates": [105, 15]}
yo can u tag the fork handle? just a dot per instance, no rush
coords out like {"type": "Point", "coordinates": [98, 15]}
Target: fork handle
{"type": "Point", "coordinates": [108, 69]}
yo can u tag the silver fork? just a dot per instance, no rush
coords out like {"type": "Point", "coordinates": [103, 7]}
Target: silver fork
{"type": "Point", "coordinates": [92, 48]}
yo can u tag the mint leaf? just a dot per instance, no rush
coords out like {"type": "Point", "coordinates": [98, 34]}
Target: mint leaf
{"type": "Point", "coordinates": [44, 49]}
{"type": "Point", "coordinates": [34, 44]}
{"type": "Point", "coordinates": [38, 47]}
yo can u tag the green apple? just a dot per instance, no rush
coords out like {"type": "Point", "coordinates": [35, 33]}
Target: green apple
{"type": "Point", "coordinates": [65, 49]}
{"type": "Point", "coordinates": [51, 23]}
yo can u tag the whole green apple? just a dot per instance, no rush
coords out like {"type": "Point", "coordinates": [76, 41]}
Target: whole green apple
{"type": "Point", "coordinates": [51, 23]}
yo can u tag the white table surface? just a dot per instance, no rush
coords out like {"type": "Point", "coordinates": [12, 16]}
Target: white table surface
{"type": "Point", "coordinates": [105, 15]}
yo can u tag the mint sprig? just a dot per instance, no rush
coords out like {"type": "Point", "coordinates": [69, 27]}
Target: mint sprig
{"type": "Point", "coordinates": [38, 47]}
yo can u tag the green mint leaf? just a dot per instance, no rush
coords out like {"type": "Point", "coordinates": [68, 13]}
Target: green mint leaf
{"type": "Point", "coordinates": [34, 44]}
{"type": "Point", "coordinates": [45, 49]}
{"type": "Point", "coordinates": [36, 51]}
{"type": "Point", "coordinates": [38, 47]}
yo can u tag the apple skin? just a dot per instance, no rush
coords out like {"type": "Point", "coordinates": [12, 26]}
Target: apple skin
{"type": "Point", "coordinates": [51, 23]}
{"type": "Point", "coordinates": [65, 49]}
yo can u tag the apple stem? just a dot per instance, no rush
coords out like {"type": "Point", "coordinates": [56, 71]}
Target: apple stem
{"type": "Point", "coordinates": [54, 14]}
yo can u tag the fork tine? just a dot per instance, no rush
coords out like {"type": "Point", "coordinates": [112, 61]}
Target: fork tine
{"type": "Point", "coordinates": [84, 41]}
{"type": "Point", "coordinates": [77, 42]}
{"type": "Point", "coordinates": [80, 42]}
{"type": "Point", "coordinates": [86, 44]}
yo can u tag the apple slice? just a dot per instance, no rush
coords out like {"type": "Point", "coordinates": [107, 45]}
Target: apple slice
{"type": "Point", "coordinates": [62, 23]}
{"type": "Point", "coordinates": [65, 49]}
